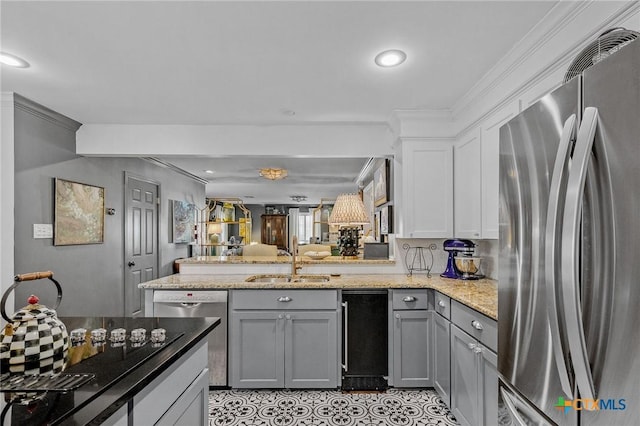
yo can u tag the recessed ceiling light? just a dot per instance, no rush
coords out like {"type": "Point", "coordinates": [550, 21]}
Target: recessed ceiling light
{"type": "Point", "coordinates": [390, 58]}
{"type": "Point", "coordinates": [13, 61]}
{"type": "Point", "coordinates": [209, 172]}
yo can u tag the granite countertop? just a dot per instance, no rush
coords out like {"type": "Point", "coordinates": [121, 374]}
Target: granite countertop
{"type": "Point", "coordinates": [304, 260]}
{"type": "Point", "coordinates": [120, 372]}
{"type": "Point", "coordinates": [481, 295]}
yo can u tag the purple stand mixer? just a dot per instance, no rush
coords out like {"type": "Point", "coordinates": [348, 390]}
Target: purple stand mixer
{"type": "Point", "coordinates": [455, 246]}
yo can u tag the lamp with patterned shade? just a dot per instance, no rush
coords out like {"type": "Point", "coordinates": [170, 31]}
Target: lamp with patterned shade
{"type": "Point", "coordinates": [348, 211]}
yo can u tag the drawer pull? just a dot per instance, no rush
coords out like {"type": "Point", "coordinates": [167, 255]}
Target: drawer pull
{"type": "Point", "coordinates": [476, 324]}
{"type": "Point", "coordinates": [441, 303]}
{"type": "Point", "coordinates": [284, 299]}
{"type": "Point", "coordinates": [409, 299]}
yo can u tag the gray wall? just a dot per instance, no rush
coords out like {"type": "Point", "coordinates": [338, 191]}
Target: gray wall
{"type": "Point", "coordinates": [91, 275]}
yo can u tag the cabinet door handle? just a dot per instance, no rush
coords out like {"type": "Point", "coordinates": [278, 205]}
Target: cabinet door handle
{"type": "Point", "coordinates": [471, 346]}
{"type": "Point", "coordinates": [409, 299]}
{"type": "Point", "coordinates": [280, 316]}
{"type": "Point", "coordinates": [284, 299]}
{"type": "Point", "coordinates": [397, 316]}
{"type": "Point", "coordinates": [476, 324]}
{"type": "Point", "coordinates": [441, 303]}
{"type": "Point", "coordinates": [288, 317]}
{"type": "Point", "coordinates": [477, 350]}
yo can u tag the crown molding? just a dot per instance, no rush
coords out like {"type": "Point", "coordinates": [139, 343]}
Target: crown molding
{"type": "Point", "coordinates": [555, 20]}
{"type": "Point", "coordinates": [415, 122]}
{"type": "Point", "coordinates": [535, 40]}
{"type": "Point", "coordinates": [44, 113]}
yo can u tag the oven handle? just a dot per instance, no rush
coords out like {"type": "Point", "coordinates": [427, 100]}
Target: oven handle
{"type": "Point", "coordinates": [345, 331]}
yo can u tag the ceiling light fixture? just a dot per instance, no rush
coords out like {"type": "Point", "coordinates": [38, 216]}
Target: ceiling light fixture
{"type": "Point", "coordinates": [13, 61]}
{"type": "Point", "coordinates": [273, 173]}
{"type": "Point", "coordinates": [210, 172]}
{"type": "Point", "coordinates": [298, 198]}
{"type": "Point", "coordinates": [390, 58]}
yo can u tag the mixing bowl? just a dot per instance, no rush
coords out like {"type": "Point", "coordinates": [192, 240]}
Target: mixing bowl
{"type": "Point", "coordinates": [468, 265]}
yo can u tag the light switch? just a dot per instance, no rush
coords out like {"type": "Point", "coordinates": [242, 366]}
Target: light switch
{"type": "Point", "coordinates": [42, 230]}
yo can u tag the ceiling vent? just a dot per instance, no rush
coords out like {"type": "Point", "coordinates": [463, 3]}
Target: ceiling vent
{"type": "Point", "coordinates": [607, 44]}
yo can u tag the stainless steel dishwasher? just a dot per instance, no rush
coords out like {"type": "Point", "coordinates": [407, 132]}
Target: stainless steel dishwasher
{"type": "Point", "coordinates": [200, 303]}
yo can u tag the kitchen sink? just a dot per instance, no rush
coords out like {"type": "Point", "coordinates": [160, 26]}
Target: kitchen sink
{"type": "Point", "coordinates": [268, 279]}
{"type": "Point", "coordinates": [279, 278]}
{"type": "Point", "coordinates": [311, 279]}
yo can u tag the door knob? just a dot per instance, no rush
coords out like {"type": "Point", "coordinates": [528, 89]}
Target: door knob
{"type": "Point", "coordinates": [131, 263]}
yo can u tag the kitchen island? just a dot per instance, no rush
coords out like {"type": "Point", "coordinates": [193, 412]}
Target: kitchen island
{"type": "Point", "coordinates": [139, 382]}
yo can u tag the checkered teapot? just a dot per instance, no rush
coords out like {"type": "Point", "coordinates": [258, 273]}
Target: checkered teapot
{"type": "Point", "coordinates": [34, 341]}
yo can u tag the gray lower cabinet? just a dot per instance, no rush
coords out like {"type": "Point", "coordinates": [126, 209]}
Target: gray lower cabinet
{"type": "Point", "coordinates": [282, 346]}
{"type": "Point", "coordinates": [474, 380]}
{"type": "Point", "coordinates": [256, 350]}
{"type": "Point", "coordinates": [412, 349]}
{"type": "Point", "coordinates": [180, 395]}
{"type": "Point", "coordinates": [412, 334]}
{"type": "Point", "coordinates": [442, 357]}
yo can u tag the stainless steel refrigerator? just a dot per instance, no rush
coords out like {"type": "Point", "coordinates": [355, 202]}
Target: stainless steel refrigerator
{"type": "Point", "coordinates": [569, 268]}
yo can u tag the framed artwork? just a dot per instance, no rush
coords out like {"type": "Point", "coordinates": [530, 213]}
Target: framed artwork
{"type": "Point", "coordinates": [381, 184]}
{"type": "Point", "coordinates": [78, 213]}
{"type": "Point", "coordinates": [183, 221]}
{"type": "Point", "coordinates": [367, 200]}
{"type": "Point", "coordinates": [376, 226]}
{"type": "Point", "coordinates": [386, 220]}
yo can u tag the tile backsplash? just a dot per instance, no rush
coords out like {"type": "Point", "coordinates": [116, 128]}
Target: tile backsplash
{"type": "Point", "coordinates": [487, 249]}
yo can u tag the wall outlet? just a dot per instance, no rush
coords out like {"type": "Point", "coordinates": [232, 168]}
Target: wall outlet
{"type": "Point", "coordinates": [42, 230]}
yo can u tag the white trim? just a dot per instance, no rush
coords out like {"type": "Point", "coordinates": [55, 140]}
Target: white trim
{"type": "Point", "coordinates": [7, 195]}
{"type": "Point", "coordinates": [45, 113]}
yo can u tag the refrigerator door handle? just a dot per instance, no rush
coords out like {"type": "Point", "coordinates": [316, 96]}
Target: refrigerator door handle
{"type": "Point", "coordinates": [511, 406]}
{"type": "Point", "coordinates": [551, 251]}
{"type": "Point", "coordinates": [570, 262]}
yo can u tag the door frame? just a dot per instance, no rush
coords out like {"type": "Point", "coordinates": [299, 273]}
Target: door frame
{"type": "Point", "coordinates": [127, 175]}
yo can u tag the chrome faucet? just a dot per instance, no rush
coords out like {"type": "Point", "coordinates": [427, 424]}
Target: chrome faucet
{"type": "Point", "coordinates": [294, 252]}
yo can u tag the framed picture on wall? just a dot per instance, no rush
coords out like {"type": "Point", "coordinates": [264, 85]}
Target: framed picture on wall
{"type": "Point", "coordinates": [386, 220]}
{"type": "Point", "coordinates": [78, 213]}
{"type": "Point", "coordinates": [183, 221]}
{"type": "Point", "coordinates": [367, 200]}
{"type": "Point", "coordinates": [381, 183]}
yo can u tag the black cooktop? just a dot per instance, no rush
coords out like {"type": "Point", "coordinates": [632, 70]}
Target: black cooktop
{"type": "Point", "coordinates": [109, 364]}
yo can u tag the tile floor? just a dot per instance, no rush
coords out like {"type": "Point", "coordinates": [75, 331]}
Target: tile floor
{"type": "Point", "coordinates": [327, 408]}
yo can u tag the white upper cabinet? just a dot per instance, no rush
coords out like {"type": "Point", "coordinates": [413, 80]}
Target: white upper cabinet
{"type": "Point", "coordinates": [489, 161]}
{"type": "Point", "coordinates": [427, 186]}
{"type": "Point", "coordinates": [476, 178]}
{"type": "Point", "coordinates": [466, 180]}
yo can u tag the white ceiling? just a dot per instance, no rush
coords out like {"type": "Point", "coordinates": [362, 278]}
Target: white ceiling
{"type": "Point", "coordinates": [244, 62]}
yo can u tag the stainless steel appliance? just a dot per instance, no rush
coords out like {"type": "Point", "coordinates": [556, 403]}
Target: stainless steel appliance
{"type": "Point", "coordinates": [569, 341]}
{"type": "Point", "coordinates": [200, 303]}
